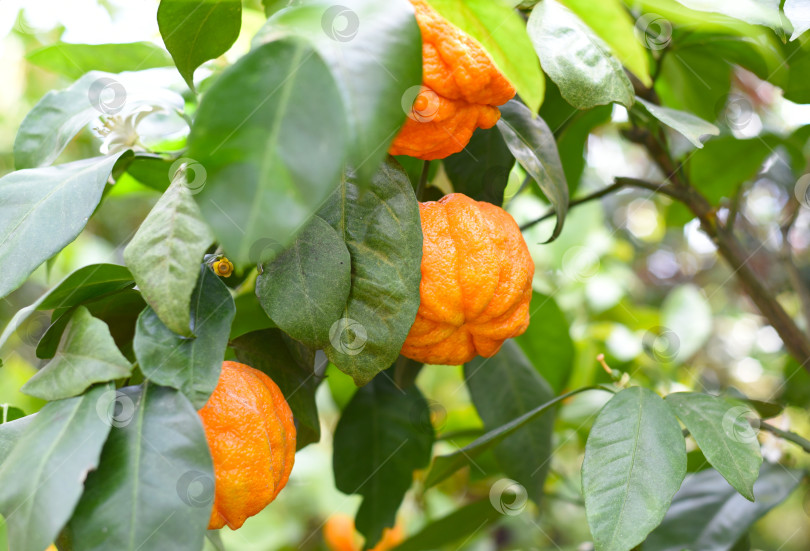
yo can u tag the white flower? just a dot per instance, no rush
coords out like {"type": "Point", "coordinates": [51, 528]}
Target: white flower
{"type": "Point", "coordinates": [121, 132]}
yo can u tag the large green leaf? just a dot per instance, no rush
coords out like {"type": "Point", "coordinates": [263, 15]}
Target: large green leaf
{"type": "Point", "coordinates": [44, 209]}
{"type": "Point", "coordinates": [451, 528]}
{"type": "Point", "coordinates": [481, 170]}
{"type": "Point", "coordinates": [635, 461]}
{"type": "Point", "coordinates": [190, 365]}
{"type": "Point", "coordinates": [56, 451]}
{"type": "Point", "coordinates": [305, 288]}
{"type": "Point", "coordinates": [291, 366]}
{"type": "Point", "coordinates": [11, 432]}
{"type": "Point", "coordinates": [798, 12]}
{"type": "Point", "coordinates": [74, 60]}
{"type": "Point", "coordinates": [709, 515]}
{"type": "Point", "coordinates": [195, 31]}
{"type": "Point", "coordinates": [372, 84]}
{"type": "Point", "coordinates": [502, 32]}
{"type": "Point", "coordinates": [577, 60]}
{"type": "Point", "coordinates": [165, 255]}
{"type": "Point", "coordinates": [155, 485]}
{"type": "Point", "coordinates": [725, 164]}
{"type": "Point", "coordinates": [689, 125]}
{"type": "Point", "coordinates": [532, 143]}
{"type": "Point", "coordinates": [271, 135]}
{"type": "Point", "coordinates": [547, 342]}
{"type": "Point", "coordinates": [722, 431]}
{"type": "Point", "coordinates": [383, 232]}
{"type": "Point", "coordinates": [382, 421]}
{"type": "Point", "coordinates": [88, 355]}
{"type": "Point", "coordinates": [503, 388]}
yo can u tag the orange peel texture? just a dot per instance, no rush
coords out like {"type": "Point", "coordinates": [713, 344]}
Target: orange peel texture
{"type": "Point", "coordinates": [476, 282]}
{"type": "Point", "coordinates": [461, 89]}
{"type": "Point", "coordinates": [250, 432]}
{"type": "Point", "coordinates": [340, 535]}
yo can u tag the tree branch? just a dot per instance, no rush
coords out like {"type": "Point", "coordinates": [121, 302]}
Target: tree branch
{"type": "Point", "coordinates": [800, 441]}
{"type": "Point", "coordinates": [584, 199]}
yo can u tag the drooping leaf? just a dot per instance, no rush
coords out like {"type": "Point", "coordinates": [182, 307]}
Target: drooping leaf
{"type": "Point", "coordinates": [532, 143]}
{"type": "Point", "coordinates": [155, 485]}
{"type": "Point", "coordinates": [451, 528]}
{"type": "Point", "coordinates": [291, 366]}
{"type": "Point", "coordinates": [44, 209]}
{"type": "Point", "coordinates": [503, 388]}
{"type": "Point", "coordinates": [74, 60]}
{"type": "Point", "coordinates": [481, 170]}
{"type": "Point", "coordinates": [722, 431]}
{"type": "Point", "coordinates": [382, 230]}
{"type": "Point", "coordinates": [271, 136]}
{"type": "Point", "coordinates": [577, 60]}
{"type": "Point", "coordinates": [195, 31]}
{"type": "Point", "coordinates": [165, 255]}
{"type": "Point", "coordinates": [190, 365]}
{"type": "Point", "coordinates": [798, 12]}
{"type": "Point", "coordinates": [304, 289]}
{"type": "Point", "coordinates": [57, 449]}
{"type": "Point", "coordinates": [634, 440]}
{"type": "Point", "coordinates": [689, 125]}
{"type": "Point", "coordinates": [381, 420]}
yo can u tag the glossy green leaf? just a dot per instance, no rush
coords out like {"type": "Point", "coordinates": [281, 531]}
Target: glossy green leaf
{"type": "Point", "coordinates": [709, 515]}
{"type": "Point", "coordinates": [502, 33]}
{"type": "Point", "coordinates": [190, 365]}
{"type": "Point", "coordinates": [74, 60]}
{"type": "Point", "coordinates": [547, 342]}
{"type": "Point", "coordinates": [304, 289]}
{"type": "Point", "coordinates": [44, 209]}
{"type": "Point", "coordinates": [291, 366]}
{"type": "Point", "coordinates": [722, 431]}
{"type": "Point", "coordinates": [503, 388]}
{"type": "Point", "coordinates": [798, 13]}
{"type": "Point", "coordinates": [59, 447]}
{"type": "Point", "coordinates": [634, 440]}
{"type": "Point", "coordinates": [687, 324]}
{"type": "Point", "coordinates": [155, 485]}
{"type": "Point", "coordinates": [725, 164]}
{"type": "Point", "coordinates": [577, 60]}
{"type": "Point", "coordinates": [690, 126]}
{"type": "Point", "coordinates": [195, 31]}
{"type": "Point", "coordinates": [382, 230]}
{"type": "Point", "coordinates": [383, 421]}
{"type": "Point", "coordinates": [481, 170]}
{"type": "Point", "coordinates": [165, 255]}
{"type": "Point", "coordinates": [451, 528]}
{"type": "Point", "coordinates": [532, 143]}
{"type": "Point", "coordinates": [372, 84]}
{"type": "Point", "coordinates": [271, 136]}
{"type": "Point", "coordinates": [88, 355]}
{"type": "Point", "coordinates": [10, 433]}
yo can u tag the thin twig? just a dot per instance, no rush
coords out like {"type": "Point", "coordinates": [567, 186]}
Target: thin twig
{"type": "Point", "coordinates": [584, 199]}
{"type": "Point", "coordinates": [800, 441]}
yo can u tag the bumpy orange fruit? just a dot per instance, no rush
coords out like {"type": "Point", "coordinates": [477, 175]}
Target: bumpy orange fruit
{"type": "Point", "coordinates": [250, 431]}
{"type": "Point", "coordinates": [476, 282]}
{"type": "Point", "coordinates": [340, 535]}
{"type": "Point", "coordinates": [461, 90]}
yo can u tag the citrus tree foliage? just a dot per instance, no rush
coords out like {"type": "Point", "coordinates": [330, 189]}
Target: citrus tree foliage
{"type": "Point", "coordinates": [273, 163]}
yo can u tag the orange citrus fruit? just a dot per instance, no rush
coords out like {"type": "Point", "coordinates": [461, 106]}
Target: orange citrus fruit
{"type": "Point", "coordinates": [340, 535]}
{"type": "Point", "coordinates": [461, 89]}
{"type": "Point", "coordinates": [250, 431]}
{"type": "Point", "coordinates": [476, 282]}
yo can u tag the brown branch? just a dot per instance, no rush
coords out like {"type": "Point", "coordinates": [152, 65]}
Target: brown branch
{"type": "Point", "coordinates": [584, 199]}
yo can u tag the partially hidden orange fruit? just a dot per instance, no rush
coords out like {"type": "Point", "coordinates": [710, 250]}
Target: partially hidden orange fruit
{"type": "Point", "coordinates": [251, 435]}
{"type": "Point", "coordinates": [476, 282]}
{"type": "Point", "coordinates": [340, 535]}
{"type": "Point", "coordinates": [461, 89]}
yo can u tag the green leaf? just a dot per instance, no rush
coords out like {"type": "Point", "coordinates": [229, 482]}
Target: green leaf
{"type": "Point", "coordinates": [481, 170]}
{"type": "Point", "coordinates": [195, 31]}
{"type": "Point", "coordinates": [88, 355]}
{"type": "Point", "coordinates": [59, 447]}
{"type": "Point", "coordinates": [10, 433]}
{"type": "Point", "coordinates": [383, 421]}
{"type": "Point", "coordinates": [532, 143]}
{"type": "Point", "coordinates": [249, 316]}
{"type": "Point", "coordinates": [44, 209]}
{"type": "Point", "coordinates": [502, 33]}
{"type": "Point", "coordinates": [291, 366]}
{"type": "Point", "coordinates": [503, 388]}
{"type": "Point", "coordinates": [722, 431]}
{"type": "Point", "coordinates": [689, 125]}
{"type": "Point", "coordinates": [165, 255]}
{"type": "Point", "coordinates": [451, 528]}
{"type": "Point", "coordinates": [271, 136]}
{"type": "Point", "coordinates": [547, 342]}
{"type": "Point", "coordinates": [189, 365]}
{"type": "Point", "coordinates": [798, 13]}
{"type": "Point", "coordinates": [795, 385]}
{"type": "Point", "coordinates": [694, 82]}
{"type": "Point", "coordinates": [687, 319]}
{"type": "Point", "coordinates": [153, 171]}
{"type": "Point", "coordinates": [725, 164]}
{"type": "Point", "coordinates": [755, 12]}
{"type": "Point", "coordinates": [577, 60]}
{"type": "Point", "coordinates": [709, 515]}
{"type": "Point", "coordinates": [634, 441]}
{"type": "Point", "coordinates": [372, 86]}
{"type": "Point", "coordinates": [304, 289]}
{"type": "Point", "coordinates": [155, 485]}
{"type": "Point", "coordinates": [382, 230]}
{"type": "Point", "coordinates": [9, 413]}
{"type": "Point", "coordinates": [797, 88]}
{"type": "Point", "coordinates": [613, 24]}
{"type": "Point", "coordinates": [74, 60]}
